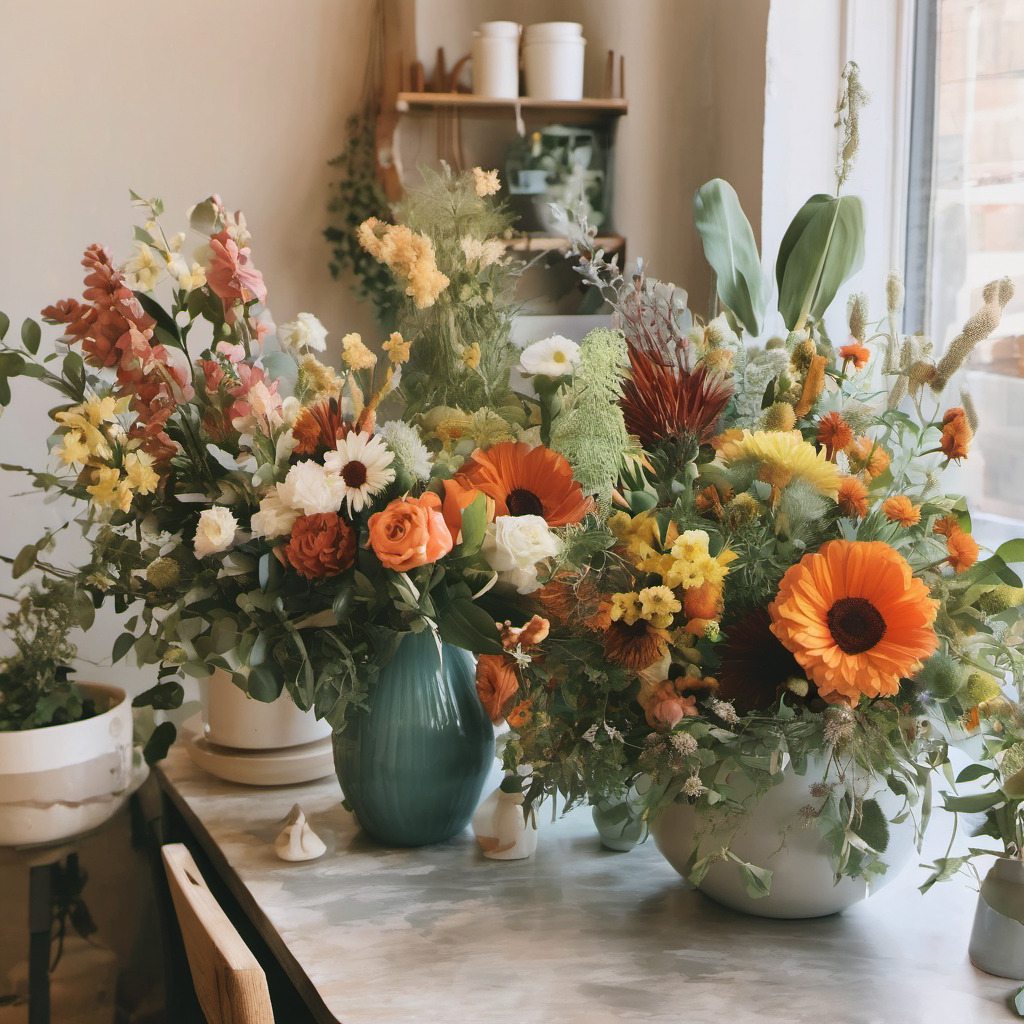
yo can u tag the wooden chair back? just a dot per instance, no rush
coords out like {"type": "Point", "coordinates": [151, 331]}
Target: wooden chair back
{"type": "Point", "coordinates": [229, 982]}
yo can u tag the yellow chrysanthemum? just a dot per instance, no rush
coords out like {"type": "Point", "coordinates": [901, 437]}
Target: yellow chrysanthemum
{"type": "Point", "coordinates": [690, 544]}
{"type": "Point", "coordinates": [99, 410]}
{"type": "Point", "coordinates": [658, 605]}
{"type": "Point", "coordinates": [626, 608]}
{"type": "Point", "coordinates": [780, 457]}
{"type": "Point", "coordinates": [104, 490]}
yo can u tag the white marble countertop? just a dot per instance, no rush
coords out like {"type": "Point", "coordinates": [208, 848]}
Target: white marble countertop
{"type": "Point", "coordinates": [574, 934]}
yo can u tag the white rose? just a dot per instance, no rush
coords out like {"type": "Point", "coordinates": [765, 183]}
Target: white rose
{"type": "Point", "coordinates": [304, 332]}
{"type": "Point", "coordinates": [275, 518]}
{"type": "Point", "coordinates": [554, 357]}
{"type": "Point", "coordinates": [215, 532]}
{"type": "Point", "coordinates": [309, 489]}
{"type": "Point", "coordinates": [514, 547]}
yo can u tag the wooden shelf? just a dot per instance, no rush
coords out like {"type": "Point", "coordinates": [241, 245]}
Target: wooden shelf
{"type": "Point", "coordinates": [536, 242]}
{"type": "Point", "coordinates": [585, 108]}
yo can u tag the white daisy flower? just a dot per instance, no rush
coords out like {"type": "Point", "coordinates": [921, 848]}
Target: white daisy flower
{"type": "Point", "coordinates": [554, 357]}
{"type": "Point", "coordinates": [364, 464]}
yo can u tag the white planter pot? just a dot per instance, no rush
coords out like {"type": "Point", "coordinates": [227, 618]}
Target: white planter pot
{"type": "Point", "coordinates": [233, 719]}
{"type": "Point", "coordinates": [63, 780]}
{"type": "Point", "coordinates": [803, 882]}
{"type": "Point", "coordinates": [997, 938]}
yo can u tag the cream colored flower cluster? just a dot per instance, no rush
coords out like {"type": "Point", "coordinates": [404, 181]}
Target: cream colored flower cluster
{"type": "Point", "coordinates": [408, 254]}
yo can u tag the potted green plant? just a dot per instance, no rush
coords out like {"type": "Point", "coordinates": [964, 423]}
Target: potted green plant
{"type": "Point", "coordinates": [65, 747]}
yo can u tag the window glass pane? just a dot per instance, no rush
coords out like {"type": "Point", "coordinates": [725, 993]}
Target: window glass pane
{"type": "Point", "coordinates": [977, 231]}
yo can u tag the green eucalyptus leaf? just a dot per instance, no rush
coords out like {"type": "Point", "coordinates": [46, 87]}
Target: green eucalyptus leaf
{"type": "Point", "coordinates": [25, 560]}
{"type": "Point", "coordinates": [822, 247]}
{"type": "Point", "coordinates": [265, 683]}
{"type": "Point", "coordinates": [1012, 550]}
{"type": "Point", "coordinates": [31, 335]}
{"type": "Point", "coordinates": [975, 803]}
{"type": "Point", "coordinates": [757, 881]}
{"type": "Point", "coordinates": [5, 325]}
{"type": "Point", "coordinates": [5, 392]}
{"type": "Point", "coordinates": [159, 743]}
{"type": "Point", "coordinates": [730, 248]}
{"type": "Point", "coordinates": [872, 826]}
{"type": "Point", "coordinates": [122, 645]}
{"type": "Point", "coordinates": [11, 364]}
{"type": "Point", "coordinates": [973, 772]}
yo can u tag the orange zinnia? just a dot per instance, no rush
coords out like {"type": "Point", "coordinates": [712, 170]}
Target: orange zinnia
{"type": "Point", "coordinates": [963, 550]}
{"type": "Point", "coordinates": [902, 510]}
{"type": "Point", "coordinates": [956, 434]}
{"type": "Point", "coordinates": [857, 353]}
{"type": "Point", "coordinates": [853, 497]}
{"type": "Point", "coordinates": [525, 481]}
{"type": "Point", "coordinates": [855, 619]}
{"type": "Point", "coordinates": [834, 433]}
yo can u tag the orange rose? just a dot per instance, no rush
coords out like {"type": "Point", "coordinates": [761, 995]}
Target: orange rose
{"type": "Point", "coordinates": [410, 532]}
{"type": "Point", "coordinates": [496, 683]}
{"type": "Point", "coordinates": [321, 545]}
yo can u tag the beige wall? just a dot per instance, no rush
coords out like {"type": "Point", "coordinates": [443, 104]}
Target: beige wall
{"type": "Point", "coordinates": [177, 100]}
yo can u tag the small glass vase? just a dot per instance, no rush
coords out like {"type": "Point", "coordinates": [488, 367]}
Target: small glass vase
{"type": "Point", "coordinates": [413, 765]}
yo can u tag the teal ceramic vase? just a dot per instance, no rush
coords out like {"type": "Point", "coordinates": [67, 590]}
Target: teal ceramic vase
{"type": "Point", "coordinates": [413, 765]}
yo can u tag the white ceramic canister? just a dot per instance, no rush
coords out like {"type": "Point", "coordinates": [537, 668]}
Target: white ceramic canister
{"type": "Point", "coordinates": [496, 60]}
{"type": "Point", "coordinates": [553, 60]}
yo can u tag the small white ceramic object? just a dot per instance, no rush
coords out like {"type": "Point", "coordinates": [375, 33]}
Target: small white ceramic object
{"type": "Point", "coordinates": [496, 60]}
{"type": "Point", "coordinates": [287, 766]}
{"type": "Point", "coordinates": [501, 828]}
{"type": "Point", "coordinates": [997, 938]}
{"type": "Point", "coordinates": [297, 841]}
{"type": "Point", "coordinates": [772, 836]}
{"type": "Point", "coordinates": [63, 780]}
{"type": "Point", "coordinates": [553, 60]}
{"type": "Point", "coordinates": [234, 719]}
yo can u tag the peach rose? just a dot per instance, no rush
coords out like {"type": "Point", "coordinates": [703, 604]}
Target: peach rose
{"type": "Point", "coordinates": [667, 709]}
{"type": "Point", "coordinates": [322, 544]}
{"type": "Point", "coordinates": [410, 532]}
{"type": "Point", "coordinates": [496, 683]}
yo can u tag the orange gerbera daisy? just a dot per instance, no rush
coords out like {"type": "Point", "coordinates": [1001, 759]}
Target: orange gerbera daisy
{"type": "Point", "coordinates": [525, 481]}
{"type": "Point", "coordinates": [856, 353]}
{"type": "Point", "coordinates": [902, 510]}
{"type": "Point", "coordinates": [963, 550]}
{"type": "Point", "coordinates": [956, 434]}
{"type": "Point", "coordinates": [853, 497]}
{"type": "Point", "coordinates": [868, 457]}
{"type": "Point", "coordinates": [855, 618]}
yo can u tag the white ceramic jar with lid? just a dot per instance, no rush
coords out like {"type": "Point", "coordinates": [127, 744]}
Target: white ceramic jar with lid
{"type": "Point", "coordinates": [553, 60]}
{"type": "Point", "coordinates": [496, 60]}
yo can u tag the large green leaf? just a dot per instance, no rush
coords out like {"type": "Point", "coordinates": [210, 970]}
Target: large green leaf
{"type": "Point", "coordinates": [822, 247]}
{"type": "Point", "coordinates": [730, 248]}
{"type": "Point", "coordinates": [465, 624]}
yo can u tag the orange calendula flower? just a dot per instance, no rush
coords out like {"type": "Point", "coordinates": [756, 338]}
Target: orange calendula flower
{"type": "Point", "coordinates": [853, 497]}
{"type": "Point", "coordinates": [956, 434]}
{"type": "Point", "coordinates": [868, 457]}
{"type": "Point", "coordinates": [525, 481]}
{"type": "Point", "coordinates": [902, 510]}
{"type": "Point", "coordinates": [855, 618]}
{"type": "Point", "coordinates": [834, 434]}
{"type": "Point", "coordinates": [946, 526]}
{"type": "Point", "coordinates": [856, 354]}
{"type": "Point", "coordinates": [963, 550]}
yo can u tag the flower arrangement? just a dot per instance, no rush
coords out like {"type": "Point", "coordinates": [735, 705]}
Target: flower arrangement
{"type": "Point", "coordinates": [255, 509]}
